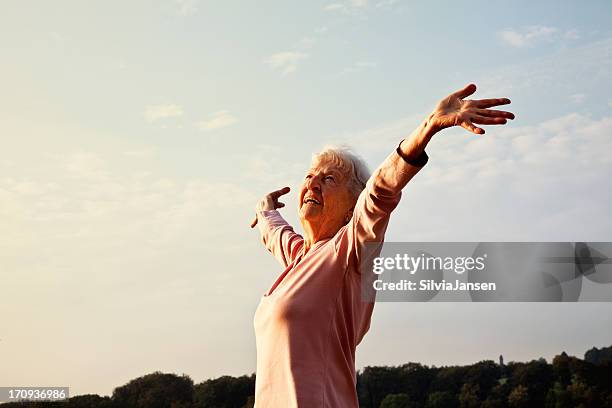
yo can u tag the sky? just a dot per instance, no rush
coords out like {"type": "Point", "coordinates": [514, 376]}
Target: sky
{"type": "Point", "coordinates": [137, 137]}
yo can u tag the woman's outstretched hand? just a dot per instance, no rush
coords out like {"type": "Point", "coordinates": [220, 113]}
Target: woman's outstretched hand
{"type": "Point", "coordinates": [270, 202]}
{"type": "Point", "coordinates": [454, 110]}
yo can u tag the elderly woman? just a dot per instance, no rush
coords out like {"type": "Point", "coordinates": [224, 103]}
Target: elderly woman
{"type": "Point", "coordinates": [310, 321]}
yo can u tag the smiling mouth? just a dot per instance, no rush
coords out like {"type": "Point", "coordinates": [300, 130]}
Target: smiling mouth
{"type": "Point", "coordinates": [311, 200]}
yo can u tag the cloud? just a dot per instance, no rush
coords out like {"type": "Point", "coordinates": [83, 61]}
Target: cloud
{"type": "Point", "coordinates": [82, 222]}
{"type": "Point", "coordinates": [186, 7]}
{"type": "Point", "coordinates": [86, 165]}
{"type": "Point", "coordinates": [545, 148]}
{"type": "Point", "coordinates": [552, 175]}
{"type": "Point", "coordinates": [577, 98]}
{"type": "Point", "coordinates": [334, 6]}
{"type": "Point", "coordinates": [146, 152]}
{"type": "Point", "coordinates": [307, 42]}
{"type": "Point", "coordinates": [555, 72]}
{"type": "Point", "coordinates": [216, 120]}
{"type": "Point", "coordinates": [95, 206]}
{"type": "Point", "coordinates": [571, 34]}
{"type": "Point", "coordinates": [528, 36]}
{"type": "Point", "coordinates": [532, 35]}
{"type": "Point", "coordinates": [286, 62]}
{"type": "Point", "coordinates": [270, 165]}
{"type": "Point", "coordinates": [359, 66]}
{"type": "Point", "coordinates": [360, 8]}
{"type": "Point", "coordinates": [387, 3]}
{"type": "Point", "coordinates": [347, 7]}
{"type": "Point", "coordinates": [157, 112]}
{"type": "Point", "coordinates": [377, 140]}
{"type": "Point", "coordinates": [544, 181]}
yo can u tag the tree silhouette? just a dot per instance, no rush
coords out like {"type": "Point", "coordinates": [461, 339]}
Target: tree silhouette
{"type": "Point", "coordinates": [155, 390]}
{"type": "Point", "coordinates": [224, 392]}
{"type": "Point", "coordinates": [566, 382]}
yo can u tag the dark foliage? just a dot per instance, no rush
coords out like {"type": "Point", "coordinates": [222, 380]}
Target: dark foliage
{"type": "Point", "coordinates": [599, 356]}
{"type": "Point", "coordinates": [224, 392]}
{"type": "Point", "coordinates": [566, 382]}
{"type": "Point", "coordinates": [155, 390]}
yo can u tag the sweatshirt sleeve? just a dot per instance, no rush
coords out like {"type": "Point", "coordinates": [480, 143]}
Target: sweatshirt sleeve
{"type": "Point", "coordinates": [278, 236]}
{"type": "Point", "coordinates": [374, 206]}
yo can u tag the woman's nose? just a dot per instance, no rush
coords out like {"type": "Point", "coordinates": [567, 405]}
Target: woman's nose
{"type": "Point", "coordinates": [313, 184]}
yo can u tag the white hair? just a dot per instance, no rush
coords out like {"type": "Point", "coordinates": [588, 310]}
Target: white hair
{"type": "Point", "coordinates": [349, 163]}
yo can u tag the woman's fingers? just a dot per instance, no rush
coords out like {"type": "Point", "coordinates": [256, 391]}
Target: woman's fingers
{"type": "Point", "coordinates": [470, 126]}
{"type": "Point", "coordinates": [278, 193]}
{"type": "Point", "coordinates": [493, 113]}
{"type": "Point", "coordinates": [465, 92]}
{"type": "Point", "coordinates": [485, 120]}
{"type": "Point", "coordinates": [487, 103]}
{"type": "Point", "coordinates": [270, 202]}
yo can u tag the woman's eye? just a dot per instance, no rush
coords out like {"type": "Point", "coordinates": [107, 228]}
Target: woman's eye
{"type": "Point", "coordinates": [329, 178]}
{"type": "Point", "coordinates": [308, 176]}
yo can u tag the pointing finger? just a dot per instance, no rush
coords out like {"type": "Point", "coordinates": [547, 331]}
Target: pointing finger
{"type": "Point", "coordinates": [278, 193]}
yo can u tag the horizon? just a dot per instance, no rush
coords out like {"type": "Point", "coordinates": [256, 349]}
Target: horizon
{"type": "Point", "coordinates": [360, 371]}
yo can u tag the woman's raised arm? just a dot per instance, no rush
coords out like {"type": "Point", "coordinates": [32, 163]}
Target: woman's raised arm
{"type": "Point", "coordinates": [384, 188]}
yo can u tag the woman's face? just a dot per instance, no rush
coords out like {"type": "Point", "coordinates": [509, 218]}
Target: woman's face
{"type": "Point", "coordinates": [325, 197]}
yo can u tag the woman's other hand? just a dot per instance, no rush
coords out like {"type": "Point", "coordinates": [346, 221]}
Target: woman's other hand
{"type": "Point", "coordinates": [270, 202]}
{"type": "Point", "coordinates": [454, 110]}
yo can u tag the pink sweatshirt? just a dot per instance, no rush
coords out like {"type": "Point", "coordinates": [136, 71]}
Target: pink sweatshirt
{"type": "Point", "coordinates": [309, 323]}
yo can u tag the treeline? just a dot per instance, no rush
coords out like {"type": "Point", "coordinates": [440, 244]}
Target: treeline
{"type": "Point", "coordinates": [568, 382]}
